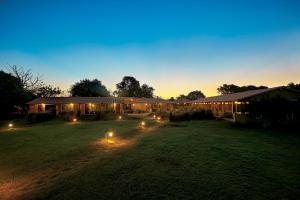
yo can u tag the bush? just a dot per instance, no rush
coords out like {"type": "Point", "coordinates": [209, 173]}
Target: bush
{"type": "Point", "coordinates": [227, 115]}
{"type": "Point", "coordinates": [67, 116]}
{"type": "Point", "coordinates": [192, 115]}
{"type": "Point", "coordinates": [162, 114]}
{"type": "Point", "coordinates": [39, 117]}
{"type": "Point", "coordinates": [99, 116]}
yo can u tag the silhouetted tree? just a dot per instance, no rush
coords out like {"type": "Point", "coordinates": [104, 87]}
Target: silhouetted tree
{"type": "Point", "coordinates": [29, 81]}
{"type": "Point", "coordinates": [180, 97]}
{"type": "Point", "coordinates": [146, 91]}
{"type": "Point", "coordinates": [13, 95]}
{"type": "Point", "coordinates": [194, 95]}
{"type": "Point", "coordinates": [89, 88]}
{"type": "Point", "coordinates": [231, 88]}
{"type": "Point", "coordinates": [172, 99]}
{"type": "Point", "coordinates": [130, 87]}
{"type": "Point", "coordinates": [48, 91]}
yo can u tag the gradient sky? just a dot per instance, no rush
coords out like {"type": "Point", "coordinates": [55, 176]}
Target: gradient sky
{"type": "Point", "coordinates": [174, 46]}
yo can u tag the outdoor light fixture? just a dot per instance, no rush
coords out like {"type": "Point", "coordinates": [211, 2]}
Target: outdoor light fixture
{"type": "Point", "coordinates": [109, 134]}
{"type": "Point", "coordinates": [120, 117]}
{"type": "Point", "coordinates": [10, 125]}
{"type": "Point", "coordinates": [158, 118]}
{"type": "Point", "coordinates": [142, 124]}
{"type": "Point", "coordinates": [154, 116]}
{"type": "Point", "coordinates": [74, 120]}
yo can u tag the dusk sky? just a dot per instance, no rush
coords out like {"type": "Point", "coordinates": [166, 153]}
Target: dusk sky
{"type": "Point", "coordinates": [174, 46]}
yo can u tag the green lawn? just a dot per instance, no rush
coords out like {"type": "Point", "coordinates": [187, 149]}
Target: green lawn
{"type": "Point", "coordinates": [182, 160]}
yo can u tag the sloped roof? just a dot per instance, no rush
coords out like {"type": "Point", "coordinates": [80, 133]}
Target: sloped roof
{"type": "Point", "coordinates": [236, 96]}
{"type": "Point", "coordinates": [66, 100]}
{"type": "Point", "coordinates": [83, 100]}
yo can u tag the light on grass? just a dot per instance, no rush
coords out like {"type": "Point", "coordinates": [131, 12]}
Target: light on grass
{"type": "Point", "coordinates": [109, 135]}
{"type": "Point", "coordinates": [10, 125]}
{"type": "Point", "coordinates": [158, 118]}
{"type": "Point", "coordinates": [154, 116]}
{"type": "Point", "coordinates": [74, 120]}
{"type": "Point", "coordinates": [120, 117]}
{"type": "Point", "coordinates": [142, 124]}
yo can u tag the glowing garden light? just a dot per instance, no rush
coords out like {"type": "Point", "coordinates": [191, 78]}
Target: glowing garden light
{"type": "Point", "coordinates": [158, 118]}
{"type": "Point", "coordinates": [109, 135]}
{"type": "Point", "coordinates": [74, 120]}
{"type": "Point", "coordinates": [10, 125]}
{"type": "Point", "coordinates": [142, 124]}
{"type": "Point", "coordinates": [120, 117]}
{"type": "Point", "coordinates": [154, 116]}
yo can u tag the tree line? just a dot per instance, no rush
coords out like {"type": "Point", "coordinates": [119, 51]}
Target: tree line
{"type": "Point", "coordinates": [18, 86]}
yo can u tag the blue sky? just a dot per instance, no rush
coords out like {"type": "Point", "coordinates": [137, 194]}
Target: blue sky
{"type": "Point", "coordinates": [175, 46]}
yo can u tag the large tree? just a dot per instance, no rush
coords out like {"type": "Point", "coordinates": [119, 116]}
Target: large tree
{"type": "Point", "coordinates": [147, 91]}
{"type": "Point", "coordinates": [130, 87]}
{"type": "Point", "coordinates": [13, 94]}
{"type": "Point", "coordinates": [231, 88]}
{"type": "Point", "coordinates": [33, 83]}
{"type": "Point", "coordinates": [194, 95]}
{"type": "Point", "coordinates": [29, 81]}
{"type": "Point", "coordinates": [89, 88]}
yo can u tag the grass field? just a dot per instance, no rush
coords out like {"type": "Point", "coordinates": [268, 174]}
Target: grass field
{"type": "Point", "coordinates": [182, 160]}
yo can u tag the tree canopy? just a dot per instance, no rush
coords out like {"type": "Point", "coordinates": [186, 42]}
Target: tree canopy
{"type": "Point", "coordinates": [194, 95]}
{"type": "Point", "coordinates": [231, 88]}
{"type": "Point", "coordinates": [130, 87]}
{"type": "Point", "coordinates": [89, 88]}
{"type": "Point", "coordinates": [48, 91]}
{"type": "Point", "coordinates": [33, 83]}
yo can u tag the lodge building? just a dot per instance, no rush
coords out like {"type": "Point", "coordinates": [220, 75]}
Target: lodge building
{"type": "Point", "coordinates": [222, 106]}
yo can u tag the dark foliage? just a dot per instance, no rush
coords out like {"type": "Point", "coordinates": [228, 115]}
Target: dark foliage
{"type": "Point", "coordinates": [130, 87]}
{"type": "Point", "coordinates": [231, 88]}
{"type": "Point", "coordinates": [13, 95]}
{"type": "Point", "coordinates": [294, 86]}
{"type": "Point", "coordinates": [89, 88]}
{"type": "Point", "coordinates": [193, 115]}
{"type": "Point", "coordinates": [48, 91]}
{"type": "Point", "coordinates": [194, 95]}
{"type": "Point", "coordinates": [39, 117]}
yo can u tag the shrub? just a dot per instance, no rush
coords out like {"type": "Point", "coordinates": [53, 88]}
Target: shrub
{"type": "Point", "coordinates": [39, 117]}
{"type": "Point", "coordinates": [67, 116]}
{"type": "Point", "coordinates": [192, 115]}
{"type": "Point", "coordinates": [99, 116]}
{"type": "Point", "coordinates": [162, 114]}
{"type": "Point", "coordinates": [227, 115]}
